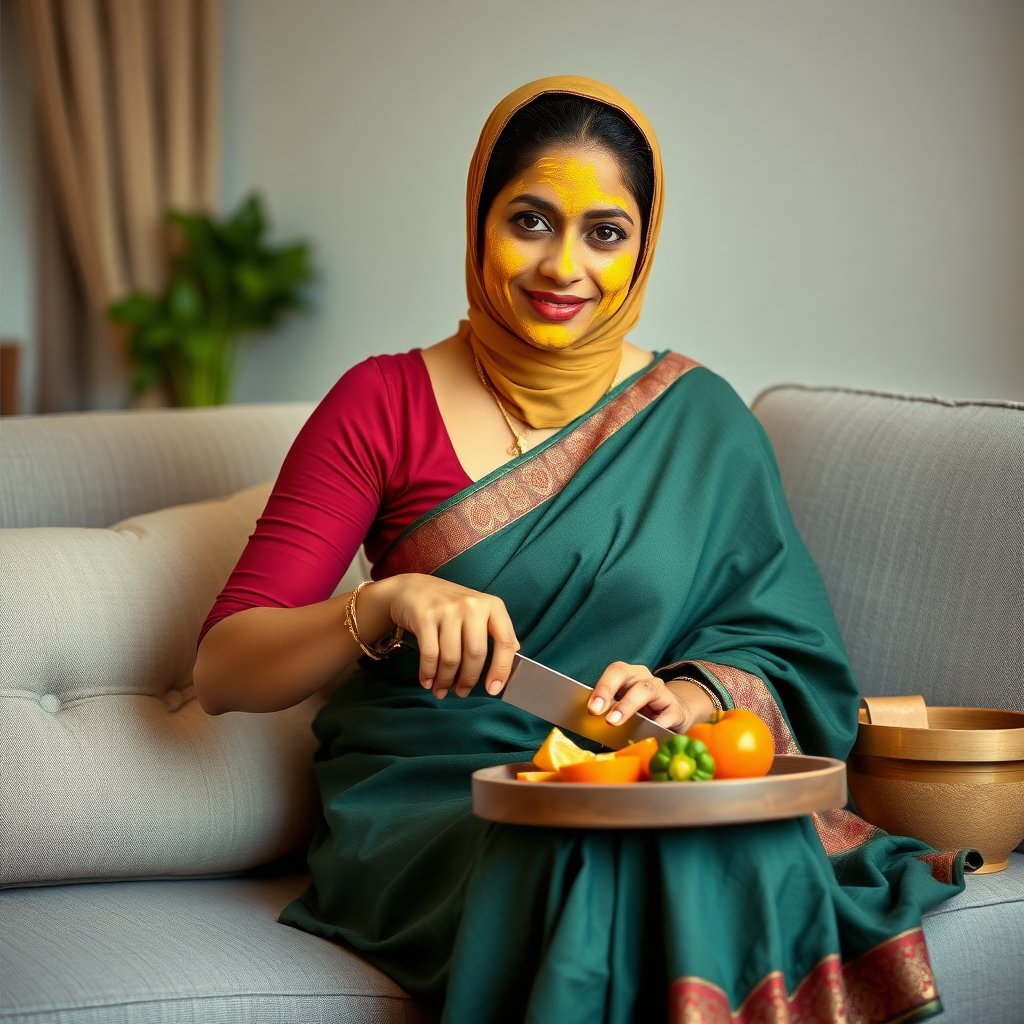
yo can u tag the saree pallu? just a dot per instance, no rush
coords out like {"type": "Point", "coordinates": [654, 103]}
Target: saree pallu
{"type": "Point", "coordinates": [651, 530]}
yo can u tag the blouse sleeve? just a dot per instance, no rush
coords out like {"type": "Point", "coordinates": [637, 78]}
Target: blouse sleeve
{"type": "Point", "coordinates": [326, 497]}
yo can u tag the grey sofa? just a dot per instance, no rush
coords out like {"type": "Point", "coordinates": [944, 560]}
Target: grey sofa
{"type": "Point", "coordinates": [146, 849]}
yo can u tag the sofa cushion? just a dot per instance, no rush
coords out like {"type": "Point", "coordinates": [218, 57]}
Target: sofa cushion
{"type": "Point", "coordinates": [914, 511]}
{"type": "Point", "coordinates": [108, 766]}
{"type": "Point", "coordinates": [170, 952]}
{"type": "Point", "coordinates": [176, 952]}
{"type": "Point", "coordinates": [976, 943]}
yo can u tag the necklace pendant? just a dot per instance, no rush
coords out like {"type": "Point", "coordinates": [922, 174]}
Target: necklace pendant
{"type": "Point", "coordinates": [514, 449]}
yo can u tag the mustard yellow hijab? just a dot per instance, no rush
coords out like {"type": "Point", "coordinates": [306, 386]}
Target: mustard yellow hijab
{"type": "Point", "coordinates": [549, 388]}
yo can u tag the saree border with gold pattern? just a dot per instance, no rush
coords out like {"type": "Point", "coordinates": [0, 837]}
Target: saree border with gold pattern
{"type": "Point", "coordinates": [892, 983]}
{"type": "Point", "coordinates": [525, 483]}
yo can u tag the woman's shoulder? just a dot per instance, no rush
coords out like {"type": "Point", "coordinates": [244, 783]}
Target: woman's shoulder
{"type": "Point", "coordinates": [384, 381]}
{"type": "Point", "coordinates": [710, 400]}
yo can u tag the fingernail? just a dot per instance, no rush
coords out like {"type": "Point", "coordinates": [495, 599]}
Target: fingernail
{"type": "Point", "coordinates": [427, 684]}
{"type": "Point", "coordinates": [615, 717]}
{"type": "Point", "coordinates": [596, 705]}
{"type": "Point", "coordinates": [441, 694]}
{"type": "Point", "coordinates": [494, 686]}
{"type": "Point", "coordinates": [464, 692]}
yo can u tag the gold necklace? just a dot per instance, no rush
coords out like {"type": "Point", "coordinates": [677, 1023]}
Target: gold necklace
{"type": "Point", "coordinates": [518, 446]}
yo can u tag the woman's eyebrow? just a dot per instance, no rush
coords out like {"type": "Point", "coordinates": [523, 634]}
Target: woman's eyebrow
{"type": "Point", "coordinates": [611, 212]}
{"type": "Point", "coordinates": [531, 200]}
{"type": "Point", "coordinates": [528, 199]}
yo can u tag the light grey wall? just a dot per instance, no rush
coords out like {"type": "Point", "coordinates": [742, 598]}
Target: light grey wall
{"type": "Point", "coordinates": [845, 181]}
{"type": "Point", "coordinates": [17, 251]}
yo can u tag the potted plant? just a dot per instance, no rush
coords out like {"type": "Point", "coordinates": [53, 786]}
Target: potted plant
{"type": "Point", "coordinates": [225, 281]}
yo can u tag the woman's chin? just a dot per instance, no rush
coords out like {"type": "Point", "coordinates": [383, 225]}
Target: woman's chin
{"type": "Point", "coordinates": [551, 337]}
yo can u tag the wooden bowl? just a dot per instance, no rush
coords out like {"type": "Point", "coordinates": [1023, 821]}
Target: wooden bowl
{"type": "Point", "coordinates": [796, 785]}
{"type": "Point", "coordinates": [957, 784]}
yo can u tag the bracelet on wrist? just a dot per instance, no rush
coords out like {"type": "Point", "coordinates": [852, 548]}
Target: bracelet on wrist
{"type": "Point", "coordinates": [715, 699]}
{"type": "Point", "coordinates": [384, 647]}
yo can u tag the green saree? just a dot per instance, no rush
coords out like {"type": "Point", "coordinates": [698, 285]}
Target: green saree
{"type": "Point", "coordinates": [652, 530]}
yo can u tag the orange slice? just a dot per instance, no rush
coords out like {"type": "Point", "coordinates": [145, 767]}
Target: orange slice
{"type": "Point", "coordinates": [615, 771]}
{"type": "Point", "coordinates": [558, 750]}
{"type": "Point", "coordinates": [645, 750]}
{"type": "Point", "coordinates": [537, 776]}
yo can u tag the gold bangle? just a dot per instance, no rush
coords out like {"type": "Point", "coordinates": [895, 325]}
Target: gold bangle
{"type": "Point", "coordinates": [375, 652]}
{"type": "Point", "coordinates": [715, 699]}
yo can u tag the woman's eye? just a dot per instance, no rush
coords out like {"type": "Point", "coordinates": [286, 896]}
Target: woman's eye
{"type": "Point", "coordinates": [608, 233]}
{"type": "Point", "coordinates": [531, 222]}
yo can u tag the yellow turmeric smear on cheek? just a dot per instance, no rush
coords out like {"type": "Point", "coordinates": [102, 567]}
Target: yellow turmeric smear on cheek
{"type": "Point", "coordinates": [502, 262]}
{"type": "Point", "coordinates": [615, 280]}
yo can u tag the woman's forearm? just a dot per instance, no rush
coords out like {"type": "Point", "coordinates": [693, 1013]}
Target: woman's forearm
{"type": "Point", "coordinates": [267, 659]}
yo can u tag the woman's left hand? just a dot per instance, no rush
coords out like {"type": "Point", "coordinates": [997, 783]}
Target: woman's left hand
{"type": "Point", "coordinates": [623, 690]}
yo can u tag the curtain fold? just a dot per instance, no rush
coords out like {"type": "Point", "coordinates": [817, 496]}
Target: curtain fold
{"type": "Point", "coordinates": [128, 102]}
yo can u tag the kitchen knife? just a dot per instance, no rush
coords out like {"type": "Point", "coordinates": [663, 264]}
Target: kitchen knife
{"type": "Point", "coordinates": [563, 702]}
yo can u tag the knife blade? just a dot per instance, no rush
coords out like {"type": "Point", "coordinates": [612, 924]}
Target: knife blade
{"type": "Point", "coordinates": [562, 701]}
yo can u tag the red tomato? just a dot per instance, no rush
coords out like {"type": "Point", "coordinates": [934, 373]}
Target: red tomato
{"type": "Point", "coordinates": [740, 743]}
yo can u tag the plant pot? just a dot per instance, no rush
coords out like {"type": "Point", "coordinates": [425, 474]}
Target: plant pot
{"type": "Point", "coordinates": [957, 784]}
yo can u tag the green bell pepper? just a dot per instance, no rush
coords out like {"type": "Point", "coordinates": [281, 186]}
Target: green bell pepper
{"type": "Point", "coordinates": [681, 759]}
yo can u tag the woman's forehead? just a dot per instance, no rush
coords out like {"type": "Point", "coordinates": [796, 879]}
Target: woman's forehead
{"type": "Point", "coordinates": [579, 177]}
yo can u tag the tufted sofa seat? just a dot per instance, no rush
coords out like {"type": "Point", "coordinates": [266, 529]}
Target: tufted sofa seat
{"type": "Point", "coordinates": [147, 849]}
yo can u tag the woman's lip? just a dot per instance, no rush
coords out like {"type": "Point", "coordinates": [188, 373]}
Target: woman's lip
{"type": "Point", "coordinates": [555, 307]}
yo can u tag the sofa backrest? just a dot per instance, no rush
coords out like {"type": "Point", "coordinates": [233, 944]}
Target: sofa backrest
{"type": "Point", "coordinates": [108, 767]}
{"type": "Point", "coordinates": [913, 509]}
{"type": "Point", "coordinates": [97, 468]}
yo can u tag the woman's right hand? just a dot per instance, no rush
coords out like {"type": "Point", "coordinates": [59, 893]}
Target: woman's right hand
{"type": "Point", "coordinates": [452, 625]}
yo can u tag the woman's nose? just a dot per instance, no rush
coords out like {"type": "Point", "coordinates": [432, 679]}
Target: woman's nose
{"type": "Point", "coordinates": [562, 263]}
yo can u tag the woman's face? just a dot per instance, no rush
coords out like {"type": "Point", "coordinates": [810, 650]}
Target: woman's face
{"type": "Point", "coordinates": [561, 242]}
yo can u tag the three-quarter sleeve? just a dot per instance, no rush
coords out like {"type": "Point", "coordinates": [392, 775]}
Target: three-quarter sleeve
{"type": "Point", "coordinates": [327, 495]}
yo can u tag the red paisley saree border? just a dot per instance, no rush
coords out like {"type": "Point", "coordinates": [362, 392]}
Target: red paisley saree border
{"type": "Point", "coordinates": [890, 983]}
{"type": "Point", "coordinates": [943, 865]}
{"type": "Point", "coordinates": [527, 486]}
{"type": "Point", "coordinates": [751, 692]}
{"type": "Point", "coordinates": [839, 829]}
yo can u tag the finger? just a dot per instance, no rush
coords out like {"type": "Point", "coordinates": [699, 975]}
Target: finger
{"type": "Point", "coordinates": [449, 657]}
{"type": "Point", "coordinates": [617, 673]}
{"type": "Point", "coordinates": [674, 716]}
{"type": "Point", "coordinates": [426, 640]}
{"type": "Point", "coordinates": [505, 647]}
{"type": "Point", "coordinates": [640, 693]}
{"type": "Point", "coordinates": [474, 652]}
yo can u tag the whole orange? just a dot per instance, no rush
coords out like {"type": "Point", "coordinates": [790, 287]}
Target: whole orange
{"type": "Point", "coordinates": [740, 743]}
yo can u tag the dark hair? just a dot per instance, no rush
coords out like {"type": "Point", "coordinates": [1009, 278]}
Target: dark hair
{"type": "Point", "coordinates": [560, 119]}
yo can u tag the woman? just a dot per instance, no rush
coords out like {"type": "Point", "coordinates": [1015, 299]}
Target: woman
{"type": "Point", "coordinates": [538, 483]}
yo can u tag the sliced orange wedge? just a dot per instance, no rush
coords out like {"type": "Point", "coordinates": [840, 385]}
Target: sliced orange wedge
{"type": "Point", "coordinates": [615, 771]}
{"type": "Point", "coordinates": [537, 776]}
{"type": "Point", "coordinates": [558, 750]}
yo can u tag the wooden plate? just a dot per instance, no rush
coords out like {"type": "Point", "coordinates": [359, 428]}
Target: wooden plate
{"type": "Point", "coordinates": [796, 785]}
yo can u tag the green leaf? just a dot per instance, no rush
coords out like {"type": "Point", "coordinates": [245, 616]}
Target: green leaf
{"type": "Point", "coordinates": [254, 282]}
{"type": "Point", "coordinates": [246, 225]}
{"type": "Point", "coordinates": [135, 309]}
{"type": "Point", "coordinates": [184, 301]}
{"type": "Point", "coordinates": [199, 346]}
{"type": "Point", "coordinates": [152, 340]}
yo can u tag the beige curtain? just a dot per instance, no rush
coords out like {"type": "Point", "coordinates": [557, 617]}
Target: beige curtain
{"type": "Point", "coordinates": [128, 100]}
